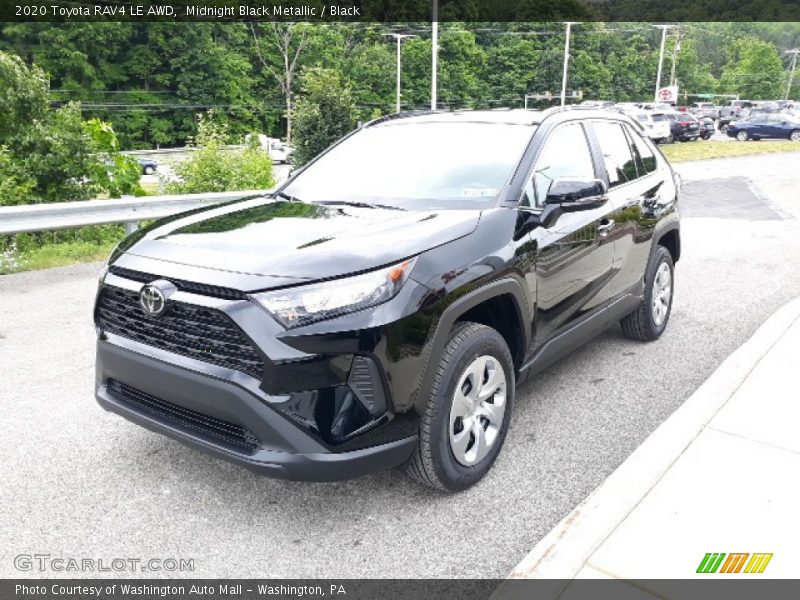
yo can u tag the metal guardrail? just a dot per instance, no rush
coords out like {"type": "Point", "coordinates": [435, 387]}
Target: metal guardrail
{"type": "Point", "coordinates": [179, 150]}
{"type": "Point", "coordinates": [61, 215]}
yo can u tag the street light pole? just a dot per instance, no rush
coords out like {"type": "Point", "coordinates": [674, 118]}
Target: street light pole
{"type": "Point", "coordinates": [794, 54]}
{"type": "Point", "coordinates": [676, 47]}
{"type": "Point", "coordinates": [569, 25]}
{"type": "Point", "coordinates": [434, 52]}
{"type": "Point", "coordinates": [664, 29]}
{"type": "Point", "coordinates": [398, 37]}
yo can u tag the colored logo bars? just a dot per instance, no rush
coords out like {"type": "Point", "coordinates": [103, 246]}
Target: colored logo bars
{"type": "Point", "coordinates": [713, 563]}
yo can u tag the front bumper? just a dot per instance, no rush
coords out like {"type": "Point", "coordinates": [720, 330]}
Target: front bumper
{"type": "Point", "coordinates": [226, 419]}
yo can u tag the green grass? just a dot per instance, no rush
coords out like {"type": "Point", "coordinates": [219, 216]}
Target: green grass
{"type": "Point", "coordinates": [703, 150]}
{"type": "Point", "coordinates": [56, 255]}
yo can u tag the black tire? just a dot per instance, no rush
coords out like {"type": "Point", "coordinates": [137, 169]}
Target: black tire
{"type": "Point", "coordinates": [794, 136]}
{"type": "Point", "coordinates": [149, 170]}
{"type": "Point", "coordinates": [433, 463]}
{"type": "Point", "coordinates": [640, 324]}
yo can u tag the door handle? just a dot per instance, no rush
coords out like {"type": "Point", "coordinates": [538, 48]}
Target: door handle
{"type": "Point", "coordinates": [605, 226]}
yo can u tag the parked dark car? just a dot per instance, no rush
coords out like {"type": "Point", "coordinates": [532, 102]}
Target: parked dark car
{"type": "Point", "coordinates": [766, 125]}
{"type": "Point", "coordinates": [684, 126]}
{"type": "Point", "coordinates": [707, 127]}
{"type": "Point", "coordinates": [380, 308]}
{"type": "Point", "coordinates": [148, 166]}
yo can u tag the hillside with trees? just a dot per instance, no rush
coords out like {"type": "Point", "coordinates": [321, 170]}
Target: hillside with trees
{"type": "Point", "coordinates": [151, 80]}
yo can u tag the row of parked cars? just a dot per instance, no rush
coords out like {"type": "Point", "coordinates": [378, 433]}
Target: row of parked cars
{"type": "Point", "coordinates": [660, 121]}
{"type": "Point", "coordinates": [741, 119]}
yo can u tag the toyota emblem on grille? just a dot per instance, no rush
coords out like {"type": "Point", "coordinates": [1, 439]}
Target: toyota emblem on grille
{"type": "Point", "coordinates": [153, 297]}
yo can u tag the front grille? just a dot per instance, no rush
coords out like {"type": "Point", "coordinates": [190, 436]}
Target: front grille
{"type": "Point", "coordinates": [195, 331]}
{"type": "Point", "coordinates": [185, 286]}
{"type": "Point", "coordinates": [214, 430]}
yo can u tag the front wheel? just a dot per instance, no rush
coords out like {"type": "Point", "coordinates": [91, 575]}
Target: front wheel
{"type": "Point", "coordinates": [742, 136]}
{"type": "Point", "coordinates": [649, 321]}
{"type": "Point", "coordinates": [468, 412]}
{"type": "Point", "coordinates": [795, 135]}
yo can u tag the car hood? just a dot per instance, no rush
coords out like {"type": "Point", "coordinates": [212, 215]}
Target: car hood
{"type": "Point", "coordinates": [281, 241]}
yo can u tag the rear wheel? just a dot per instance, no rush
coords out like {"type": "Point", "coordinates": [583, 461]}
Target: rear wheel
{"type": "Point", "coordinates": [795, 135]}
{"type": "Point", "coordinates": [648, 322]}
{"type": "Point", "coordinates": [742, 136]}
{"type": "Point", "coordinates": [468, 413]}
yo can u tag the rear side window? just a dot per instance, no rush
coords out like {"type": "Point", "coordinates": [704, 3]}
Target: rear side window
{"type": "Point", "coordinates": [617, 155]}
{"type": "Point", "coordinates": [656, 118]}
{"type": "Point", "coordinates": [643, 154]}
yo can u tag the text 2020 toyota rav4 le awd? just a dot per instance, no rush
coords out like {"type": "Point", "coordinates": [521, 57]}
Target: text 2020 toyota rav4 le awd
{"type": "Point", "coordinates": [380, 308]}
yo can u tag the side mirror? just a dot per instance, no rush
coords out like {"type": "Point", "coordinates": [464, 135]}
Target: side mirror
{"type": "Point", "coordinates": [576, 194]}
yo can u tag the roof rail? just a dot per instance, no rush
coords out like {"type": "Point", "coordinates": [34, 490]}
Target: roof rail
{"type": "Point", "coordinates": [401, 115]}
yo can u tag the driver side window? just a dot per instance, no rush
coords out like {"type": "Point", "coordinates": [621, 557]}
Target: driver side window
{"type": "Point", "coordinates": [565, 154]}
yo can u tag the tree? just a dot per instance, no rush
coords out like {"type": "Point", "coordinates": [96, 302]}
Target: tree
{"type": "Point", "coordinates": [290, 39]}
{"type": "Point", "coordinates": [54, 156]}
{"type": "Point", "coordinates": [23, 95]}
{"type": "Point", "coordinates": [324, 112]}
{"type": "Point", "coordinates": [754, 70]}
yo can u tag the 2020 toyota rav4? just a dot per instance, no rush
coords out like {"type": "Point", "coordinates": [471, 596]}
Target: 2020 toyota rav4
{"type": "Point", "coordinates": [380, 308]}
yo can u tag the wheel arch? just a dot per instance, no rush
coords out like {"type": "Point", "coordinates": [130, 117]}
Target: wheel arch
{"type": "Point", "coordinates": [671, 240]}
{"type": "Point", "coordinates": [501, 304]}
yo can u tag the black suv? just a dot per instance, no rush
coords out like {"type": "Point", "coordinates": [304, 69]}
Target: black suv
{"type": "Point", "coordinates": [380, 308]}
{"type": "Point", "coordinates": [684, 127]}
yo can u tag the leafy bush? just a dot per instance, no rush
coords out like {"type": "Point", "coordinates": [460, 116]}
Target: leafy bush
{"type": "Point", "coordinates": [324, 112]}
{"type": "Point", "coordinates": [54, 156]}
{"type": "Point", "coordinates": [214, 168]}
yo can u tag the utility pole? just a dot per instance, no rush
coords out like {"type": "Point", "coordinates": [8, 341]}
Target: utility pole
{"type": "Point", "coordinates": [434, 52]}
{"type": "Point", "coordinates": [676, 47]}
{"type": "Point", "coordinates": [569, 25]}
{"type": "Point", "coordinates": [398, 37]}
{"type": "Point", "coordinates": [664, 29]}
{"type": "Point", "coordinates": [794, 54]}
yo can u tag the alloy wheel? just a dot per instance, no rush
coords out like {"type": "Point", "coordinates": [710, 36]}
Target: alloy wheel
{"type": "Point", "coordinates": [795, 136]}
{"type": "Point", "coordinates": [477, 410]}
{"type": "Point", "coordinates": [742, 136]}
{"type": "Point", "coordinates": [662, 294]}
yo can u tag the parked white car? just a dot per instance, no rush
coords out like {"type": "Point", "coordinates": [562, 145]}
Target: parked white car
{"type": "Point", "coordinates": [278, 150]}
{"type": "Point", "coordinates": [655, 125]}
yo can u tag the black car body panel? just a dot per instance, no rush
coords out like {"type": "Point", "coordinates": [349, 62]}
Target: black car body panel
{"type": "Point", "coordinates": [343, 396]}
{"type": "Point", "coordinates": [684, 126]}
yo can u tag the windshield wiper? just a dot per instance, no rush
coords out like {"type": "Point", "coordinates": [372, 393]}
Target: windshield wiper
{"type": "Point", "coordinates": [288, 197]}
{"type": "Point", "coordinates": [359, 204]}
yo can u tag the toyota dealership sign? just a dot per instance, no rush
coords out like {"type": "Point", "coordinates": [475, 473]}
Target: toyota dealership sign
{"type": "Point", "coordinates": [668, 94]}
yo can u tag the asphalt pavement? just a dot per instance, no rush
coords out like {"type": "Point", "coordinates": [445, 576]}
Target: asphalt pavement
{"type": "Point", "coordinates": [78, 482]}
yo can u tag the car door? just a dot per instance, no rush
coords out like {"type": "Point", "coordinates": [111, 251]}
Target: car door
{"type": "Point", "coordinates": [634, 183]}
{"type": "Point", "coordinates": [573, 262]}
{"type": "Point", "coordinates": [777, 126]}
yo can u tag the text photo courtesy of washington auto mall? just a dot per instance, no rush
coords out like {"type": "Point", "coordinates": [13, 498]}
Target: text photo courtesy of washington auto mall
{"type": "Point", "coordinates": [403, 300]}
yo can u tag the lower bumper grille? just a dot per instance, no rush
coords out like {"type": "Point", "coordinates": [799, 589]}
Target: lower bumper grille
{"type": "Point", "coordinates": [216, 431]}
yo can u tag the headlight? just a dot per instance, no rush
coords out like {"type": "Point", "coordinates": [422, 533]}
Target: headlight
{"type": "Point", "coordinates": [305, 304]}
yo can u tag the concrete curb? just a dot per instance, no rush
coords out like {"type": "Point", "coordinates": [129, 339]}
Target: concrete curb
{"type": "Point", "coordinates": [566, 548]}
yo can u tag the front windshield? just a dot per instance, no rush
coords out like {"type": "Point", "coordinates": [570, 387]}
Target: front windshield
{"type": "Point", "coordinates": [418, 165]}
